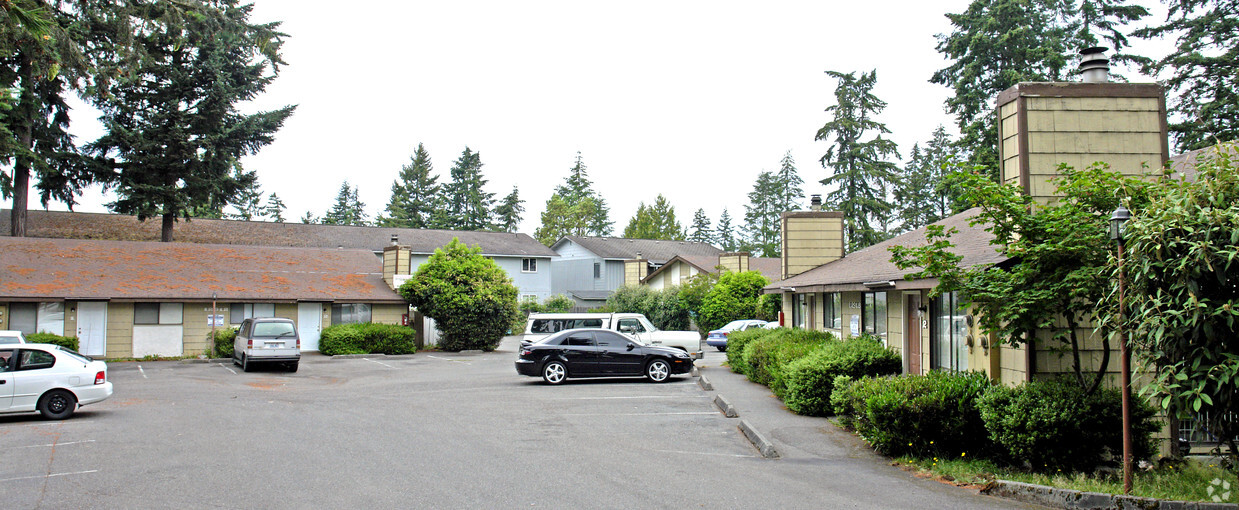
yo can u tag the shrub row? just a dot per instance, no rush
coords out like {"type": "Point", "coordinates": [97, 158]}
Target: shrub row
{"type": "Point", "coordinates": [367, 338]}
{"type": "Point", "coordinates": [67, 342]}
{"type": "Point", "coordinates": [223, 341]}
{"type": "Point", "coordinates": [1043, 425]}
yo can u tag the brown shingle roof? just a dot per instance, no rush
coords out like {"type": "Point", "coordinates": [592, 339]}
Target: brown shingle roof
{"type": "Point", "coordinates": [77, 225]}
{"type": "Point", "coordinates": [655, 250]}
{"type": "Point", "coordinates": [874, 263]}
{"type": "Point", "coordinates": [770, 267]}
{"type": "Point", "coordinates": [34, 268]}
{"type": "Point", "coordinates": [1187, 162]}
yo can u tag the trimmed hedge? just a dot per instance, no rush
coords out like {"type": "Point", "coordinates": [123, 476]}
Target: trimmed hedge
{"type": "Point", "coordinates": [67, 342]}
{"type": "Point", "coordinates": [224, 341]}
{"type": "Point", "coordinates": [928, 415]}
{"type": "Point", "coordinates": [766, 357]}
{"type": "Point", "coordinates": [1051, 425]}
{"type": "Point", "coordinates": [736, 342]}
{"type": "Point", "coordinates": [367, 338]}
{"type": "Point", "coordinates": [809, 381]}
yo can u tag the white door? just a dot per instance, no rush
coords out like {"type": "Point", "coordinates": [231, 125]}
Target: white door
{"type": "Point", "coordinates": [309, 324]}
{"type": "Point", "coordinates": [92, 327]}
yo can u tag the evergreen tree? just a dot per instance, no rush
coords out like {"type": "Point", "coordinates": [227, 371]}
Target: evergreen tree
{"type": "Point", "coordinates": [996, 44]}
{"type": "Point", "coordinates": [577, 209]}
{"type": "Point", "coordinates": [860, 173]}
{"type": "Point", "coordinates": [1201, 70]}
{"type": "Point", "coordinates": [274, 210]}
{"type": "Point", "coordinates": [700, 231]}
{"type": "Point", "coordinates": [248, 201]}
{"type": "Point", "coordinates": [415, 195]}
{"type": "Point", "coordinates": [348, 209]}
{"type": "Point", "coordinates": [467, 203]}
{"type": "Point", "coordinates": [761, 215]}
{"type": "Point", "coordinates": [724, 235]}
{"type": "Point", "coordinates": [508, 213]}
{"type": "Point", "coordinates": [655, 222]}
{"type": "Point", "coordinates": [173, 130]}
{"type": "Point", "coordinates": [921, 193]}
{"type": "Point", "coordinates": [310, 218]}
{"type": "Point", "coordinates": [791, 186]}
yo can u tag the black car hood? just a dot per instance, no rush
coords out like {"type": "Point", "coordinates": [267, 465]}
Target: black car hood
{"type": "Point", "coordinates": [667, 351]}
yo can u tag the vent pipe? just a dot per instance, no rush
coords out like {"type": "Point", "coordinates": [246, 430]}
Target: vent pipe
{"type": "Point", "coordinates": [1094, 66]}
{"type": "Point", "coordinates": [395, 239]}
{"type": "Point", "coordinates": [815, 203]}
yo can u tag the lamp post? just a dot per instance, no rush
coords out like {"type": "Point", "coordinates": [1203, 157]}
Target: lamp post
{"type": "Point", "coordinates": [1118, 227]}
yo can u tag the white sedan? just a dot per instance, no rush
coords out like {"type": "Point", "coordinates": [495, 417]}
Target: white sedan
{"type": "Point", "coordinates": [8, 336]}
{"type": "Point", "coordinates": [49, 379]}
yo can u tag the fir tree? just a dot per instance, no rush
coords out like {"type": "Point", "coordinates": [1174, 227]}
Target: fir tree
{"type": "Point", "coordinates": [248, 200]}
{"type": "Point", "coordinates": [700, 231]}
{"type": "Point", "coordinates": [724, 235]}
{"type": "Point", "coordinates": [467, 203]}
{"type": "Point", "coordinates": [761, 215]}
{"type": "Point", "coordinates": [415, 195]}
{"type": "Point", "coordinates": [860, 173]}
{"type": "Point", "coordinates": [577, 209]}
{"type": "Point", "coordinates": [655, 222]}
{"type": "Point", "coordinates": [348, 209]}
{"type": "Point", "coordinates": [508, 213]}
{"type": "Point", "coordinates": [310, 218]}
{"type": "Point", "coordinates": [791, 186]}
{"type": "Point", "coordinates": [274, 210]}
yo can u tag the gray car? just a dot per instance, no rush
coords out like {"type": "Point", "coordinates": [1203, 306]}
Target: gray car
{"type": "Point", "coordinates": [267, 340]}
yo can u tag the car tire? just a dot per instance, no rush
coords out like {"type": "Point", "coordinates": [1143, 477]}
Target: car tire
{"type": "Point", "coordinates": [554, 372]}
{"type": "Point", "coordinates": [721, 349]}
{"type": "Point", "coordinates": [292, 367]}
{"type": "Point", "coordinates": [245, 363]}
{"type": "Point", "coordinates": [235, 361]}
{"type": "Point", "coordinates": [57, 404]}
{"type": "Point", "coordinates": [657, 371]}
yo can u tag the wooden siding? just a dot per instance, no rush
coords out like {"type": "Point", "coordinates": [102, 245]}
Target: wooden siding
{"type": "Point", "coordinates": [810, 240]}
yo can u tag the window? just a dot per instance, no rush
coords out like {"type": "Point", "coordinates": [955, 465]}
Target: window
{"type": "Point", "coordinates": [611, 340]}
{"type": "Point", "coordinates": [873, 314]}
{"type": "Point", "coordinates": [31, 318]}
{"type": "Point", "coordinates": [6, 361]}
{"type": "Point", "coordinates": [274, 329]}
{"type": "Point", "coordinates": [631, 326]}
{"type": "Point", "coordinates": [529, 297]}
{"type": "Point", "coordinates": [350, 313]}
{"type": "Point", "coordinates": [949, 332]}
{"type": "Point", "coordinates": [240, 311]}
{"type": "Point", "coordinates": [597, 270]}
{"type": "Point", "coordinates": [800, 311]}
{"type": "Point", "coordinates": [157, 313]}
{"type": "Point", "coordinates": [554, 325]}
{"type": "Point", "coordinates": [34, 359]}
{"type": "Point", "coordinates": [580, 340]}
{"type": "Point", "coordinates": [529, 265]}
{"type": "Point", "coordinates": [834, 310]}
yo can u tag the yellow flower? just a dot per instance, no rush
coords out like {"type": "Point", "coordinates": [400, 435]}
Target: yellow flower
{"type": "Point", "coordinates": [46, 37]}
{"type": "Point", "coordinates": [961, 454]}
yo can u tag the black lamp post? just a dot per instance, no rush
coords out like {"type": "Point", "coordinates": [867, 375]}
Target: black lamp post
{"type": "Point", "coordinates": [1118, 227]}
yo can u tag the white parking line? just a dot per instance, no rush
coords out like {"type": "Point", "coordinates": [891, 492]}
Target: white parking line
{"type": "Point", "coordinates": [56, 444]}
{"type": "Point", "coordinates": [225, 367]}
{"type": "Point", "coordinates": [143, 372]}
{"type": "Point", "coordinates": [713, 454]}
{"type": "Point", "coordinates": [633, 397]}
{"type": "Point", "coordinates": [379, 362]}
{"type": "Point", "coordinates": [450, 359]}
{"type": "Point", "coordinates": [49, 475]}
{"type": "Point", "coordinates": [642, 414]}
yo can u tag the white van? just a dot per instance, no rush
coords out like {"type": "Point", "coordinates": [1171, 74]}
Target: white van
{"type": "Point", "coordinates": [634, 325]}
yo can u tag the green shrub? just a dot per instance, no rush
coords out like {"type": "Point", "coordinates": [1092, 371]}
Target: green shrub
{"type": "Point", "coordinates": [224, 340]}
{"type": "Point", "coordinates": [734, 297]}
{"type": "Point", "coordinates": [471, 299]}
{"type": "Point", "coordinates": [558, 303]}
{"type": "Point", "coordinates": [367, 338]}
{"type": "Point", "coordinates": [67, 342]}
{"type": "Point", "coordinates": [768, 307]}
{"type": "Point", "coordinates": [736, 342]}
{"type": "Point", "coordinates": [934, 414]}
{"type": "Point", "coordinates": [767, 356]}
{"type": "Point", "coordinates": [663, 308]}
{"type": "Point", "coordinates": [809, 381]}
{"type": "Point", "coordinates": [1051, 425]}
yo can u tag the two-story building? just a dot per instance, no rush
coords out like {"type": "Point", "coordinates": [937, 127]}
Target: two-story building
{"type": "Point", "coordinates": [589, 269]}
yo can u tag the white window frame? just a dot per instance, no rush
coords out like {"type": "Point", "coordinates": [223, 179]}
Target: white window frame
{"type": "Point", "coordinates": [529, 265]}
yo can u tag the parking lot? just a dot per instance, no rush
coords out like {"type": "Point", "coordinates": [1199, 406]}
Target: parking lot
{"type": "Point", "coordinates": [428, 430]}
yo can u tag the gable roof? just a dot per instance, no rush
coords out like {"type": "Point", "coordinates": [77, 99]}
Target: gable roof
{"type": "Point", "coordinates": [37, 269]}
{"type": "Point", "coordinates": [657, 251]}
{"type": "Point", "coordinates": [78, 225]}
{"type": "Point", "coordinates": [770, 267]}
{"type": "Point", "coordinates": [874, 262]}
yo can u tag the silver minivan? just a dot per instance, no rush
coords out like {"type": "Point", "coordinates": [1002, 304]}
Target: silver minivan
{"type": "Point", "coordinates": [267, 340]}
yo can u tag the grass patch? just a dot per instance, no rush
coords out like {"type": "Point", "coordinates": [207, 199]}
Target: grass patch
{"type": "Point", "coordinates": [1185, 481]}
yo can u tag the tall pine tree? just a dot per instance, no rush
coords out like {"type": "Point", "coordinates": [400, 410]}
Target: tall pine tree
{"type": "Point", "coordinates": [508, 213]}
{"type": "Point", "coordinates": [574, 209]}
{"type": "Point", "coordinates": [656, 221]}
{"type": "Point", "coordinates": [173, 130]}
{"type": "Point", "coordinates": [859, 170]}
{"type": "Point", "coordinates": [248, 201]}
{"type": "Point", "coordinates": [468, 205]}
{"type": "Point", "coordinates": [348, 209]}
{"type": "Point", "coordinates": [790, 184]}
{"type": "Point", "coordinates": [274, 210]}
{"type": "Point", "coordinates": [415, 195]}
{"type": "Point", "coordinates": [725, 234]}
{"type": "Point", "coordinates": [761, 215]}
{"type": "Point", "coordinates": [921, 191]}
{"type": "Point", "coordinates": [700, 231]}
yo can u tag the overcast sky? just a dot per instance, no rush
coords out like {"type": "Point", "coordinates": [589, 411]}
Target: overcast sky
{"type": "Point", "coordinates": [688, 99]}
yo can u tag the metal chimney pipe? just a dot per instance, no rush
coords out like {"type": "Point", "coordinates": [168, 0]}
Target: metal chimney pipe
{"type": "Point", "coordinates": [1094, 66]}
{"type": "Point", "coordinates": [395, 239]}
{"type": "Point", "coordinates": [815, 202]}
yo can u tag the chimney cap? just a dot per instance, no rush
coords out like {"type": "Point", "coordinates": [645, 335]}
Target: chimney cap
{"type": "Point", "coordinates": [1094, 65]}
{"type": "Point", "coordinates": [815, 202]}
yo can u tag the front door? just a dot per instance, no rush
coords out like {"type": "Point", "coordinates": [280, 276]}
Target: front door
{"type": "Point", "coordinates": [92, 327]}
{"type": "Point", "coordinates": [912, 330]}
{"type": "Point", "coordinates": [309, 324]}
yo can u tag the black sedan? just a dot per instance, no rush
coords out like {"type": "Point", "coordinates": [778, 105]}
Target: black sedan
{"type": "Point", "coordinates": [598, 353]}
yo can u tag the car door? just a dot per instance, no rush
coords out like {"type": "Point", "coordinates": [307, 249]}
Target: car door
{"type": "Point", "coordinates": [35, 373]}
{"type": "Point", "coordinates": [7, 360]}
{"type": "Point", "coordinates": [580, 353]}
{"type": "Point", "coordinates": [618, 355]}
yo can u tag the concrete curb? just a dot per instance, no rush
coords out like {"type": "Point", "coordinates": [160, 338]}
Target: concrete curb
{"type": "Point", "coordinates": [694, 372]}
{"type": "Point", "coordinates": [763, 445]}
{"type": "Point", "coordinates": [358, 356]}
{"type": "Point", "coordinates": [705, 384]}
{"type": "Point", "coordinates": [725, 406]}
{"type": "Point", "coordinates": [1064, 498]}
{"type": "Point", "coordinates": [207, 360]}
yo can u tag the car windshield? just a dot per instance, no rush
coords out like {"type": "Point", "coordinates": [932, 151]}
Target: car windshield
{"type": "Point", "coordinates": [733, 325]}
{"type": "Point", "coordinates": [274, 329]}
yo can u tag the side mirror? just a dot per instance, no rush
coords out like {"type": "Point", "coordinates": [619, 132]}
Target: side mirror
{"type": "Point", "coordinates": [631, 347]}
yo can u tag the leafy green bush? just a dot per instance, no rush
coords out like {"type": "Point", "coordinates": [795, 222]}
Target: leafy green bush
{"type": "Point", "coordinates": [1052, 425]}
{"type": "Point", "coordinates": [558, 303]}
{"type": "Point", "coordinates": [736, 343]}
{"type": "Point", "coordinates": [768, 307]}
{"type": "Point", "coordinates": [934, 414]}
{"type": "Point", "coordinates": [769, 355]}
{"type": "Point", "coordinates": [734, 297]}
{"type": "Point", "coordinates": [663, 308]}
{"type": "Point", "coordinates": [367, 338]}
{"type": "Point", "coordinates": [67, 342]}
{"type": "Point", "coordinates": [809, 381]}
{"type": "Point", "coordinates": [471, 299]}
{"type": "Point", "coordinates": [224, 340]}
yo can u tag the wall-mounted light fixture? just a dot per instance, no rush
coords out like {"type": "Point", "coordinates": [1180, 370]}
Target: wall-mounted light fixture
{"type": "Point", "coordinates": [884, 284]}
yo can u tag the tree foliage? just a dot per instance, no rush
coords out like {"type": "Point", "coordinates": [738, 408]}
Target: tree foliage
{"type": "Point", "coordinates": [656, 221]}
{"type": "Point", "coordinates": [699, 231]}
{"type": "Point", "coordinates": [921, 192]}
{"type": "Point", "coordinates": [1201, 69]}
{"type": "Point", "coordinates": [773, 194]}
{"type": "Point", "coordinates": [736, 296]}
{"type": "Point", "coordinates": [575, 209]}
{"type": "Point", "coordinates": [1055, 275]}
{"type": "Point", "coordinates": [248, 200]}
{"type": "Point", "coordinates": [414, 194]}
{"type": "Point", "coordinates": [468, 205]}
{"type": "Point", "coordinates": [274, 209]}
{"type": "Point", "coordinates": [471, 299]}
{"type": "Point", "coordinates": [859, 171]}
{"type": "Point", "coordinates": [348, 209]}
{"type": "Point", "coordinates": [725, 234]}
{"type": "Point", "coordinates": [508, 213]}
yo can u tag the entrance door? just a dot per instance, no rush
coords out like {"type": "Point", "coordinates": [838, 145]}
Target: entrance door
{"type": "Point", "coordinates": [309, 324]}
{"type": "Point", "coordinates": [912, 333]}
{"type": "Point", "coordinates": [92, 327]}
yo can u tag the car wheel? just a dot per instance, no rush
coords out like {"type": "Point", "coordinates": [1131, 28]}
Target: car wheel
{"type": "Point", "coordinates": [245, 363]}
{"type": "Point", "coordinates": [292, 367]}
{"type": "Point", "coordinates": [554, 372]}
{"type": "Point", "coordinates": [721, 349]}
{"type": "Point", "coordinates": [57, 404]}
{"type": "Point", "coordinates": [658, 370]}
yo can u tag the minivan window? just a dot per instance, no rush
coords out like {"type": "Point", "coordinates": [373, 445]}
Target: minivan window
{"type": "Point", "coordinates": [273, 329]}
{"type": "Point", "coordinates": [554, 325]}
